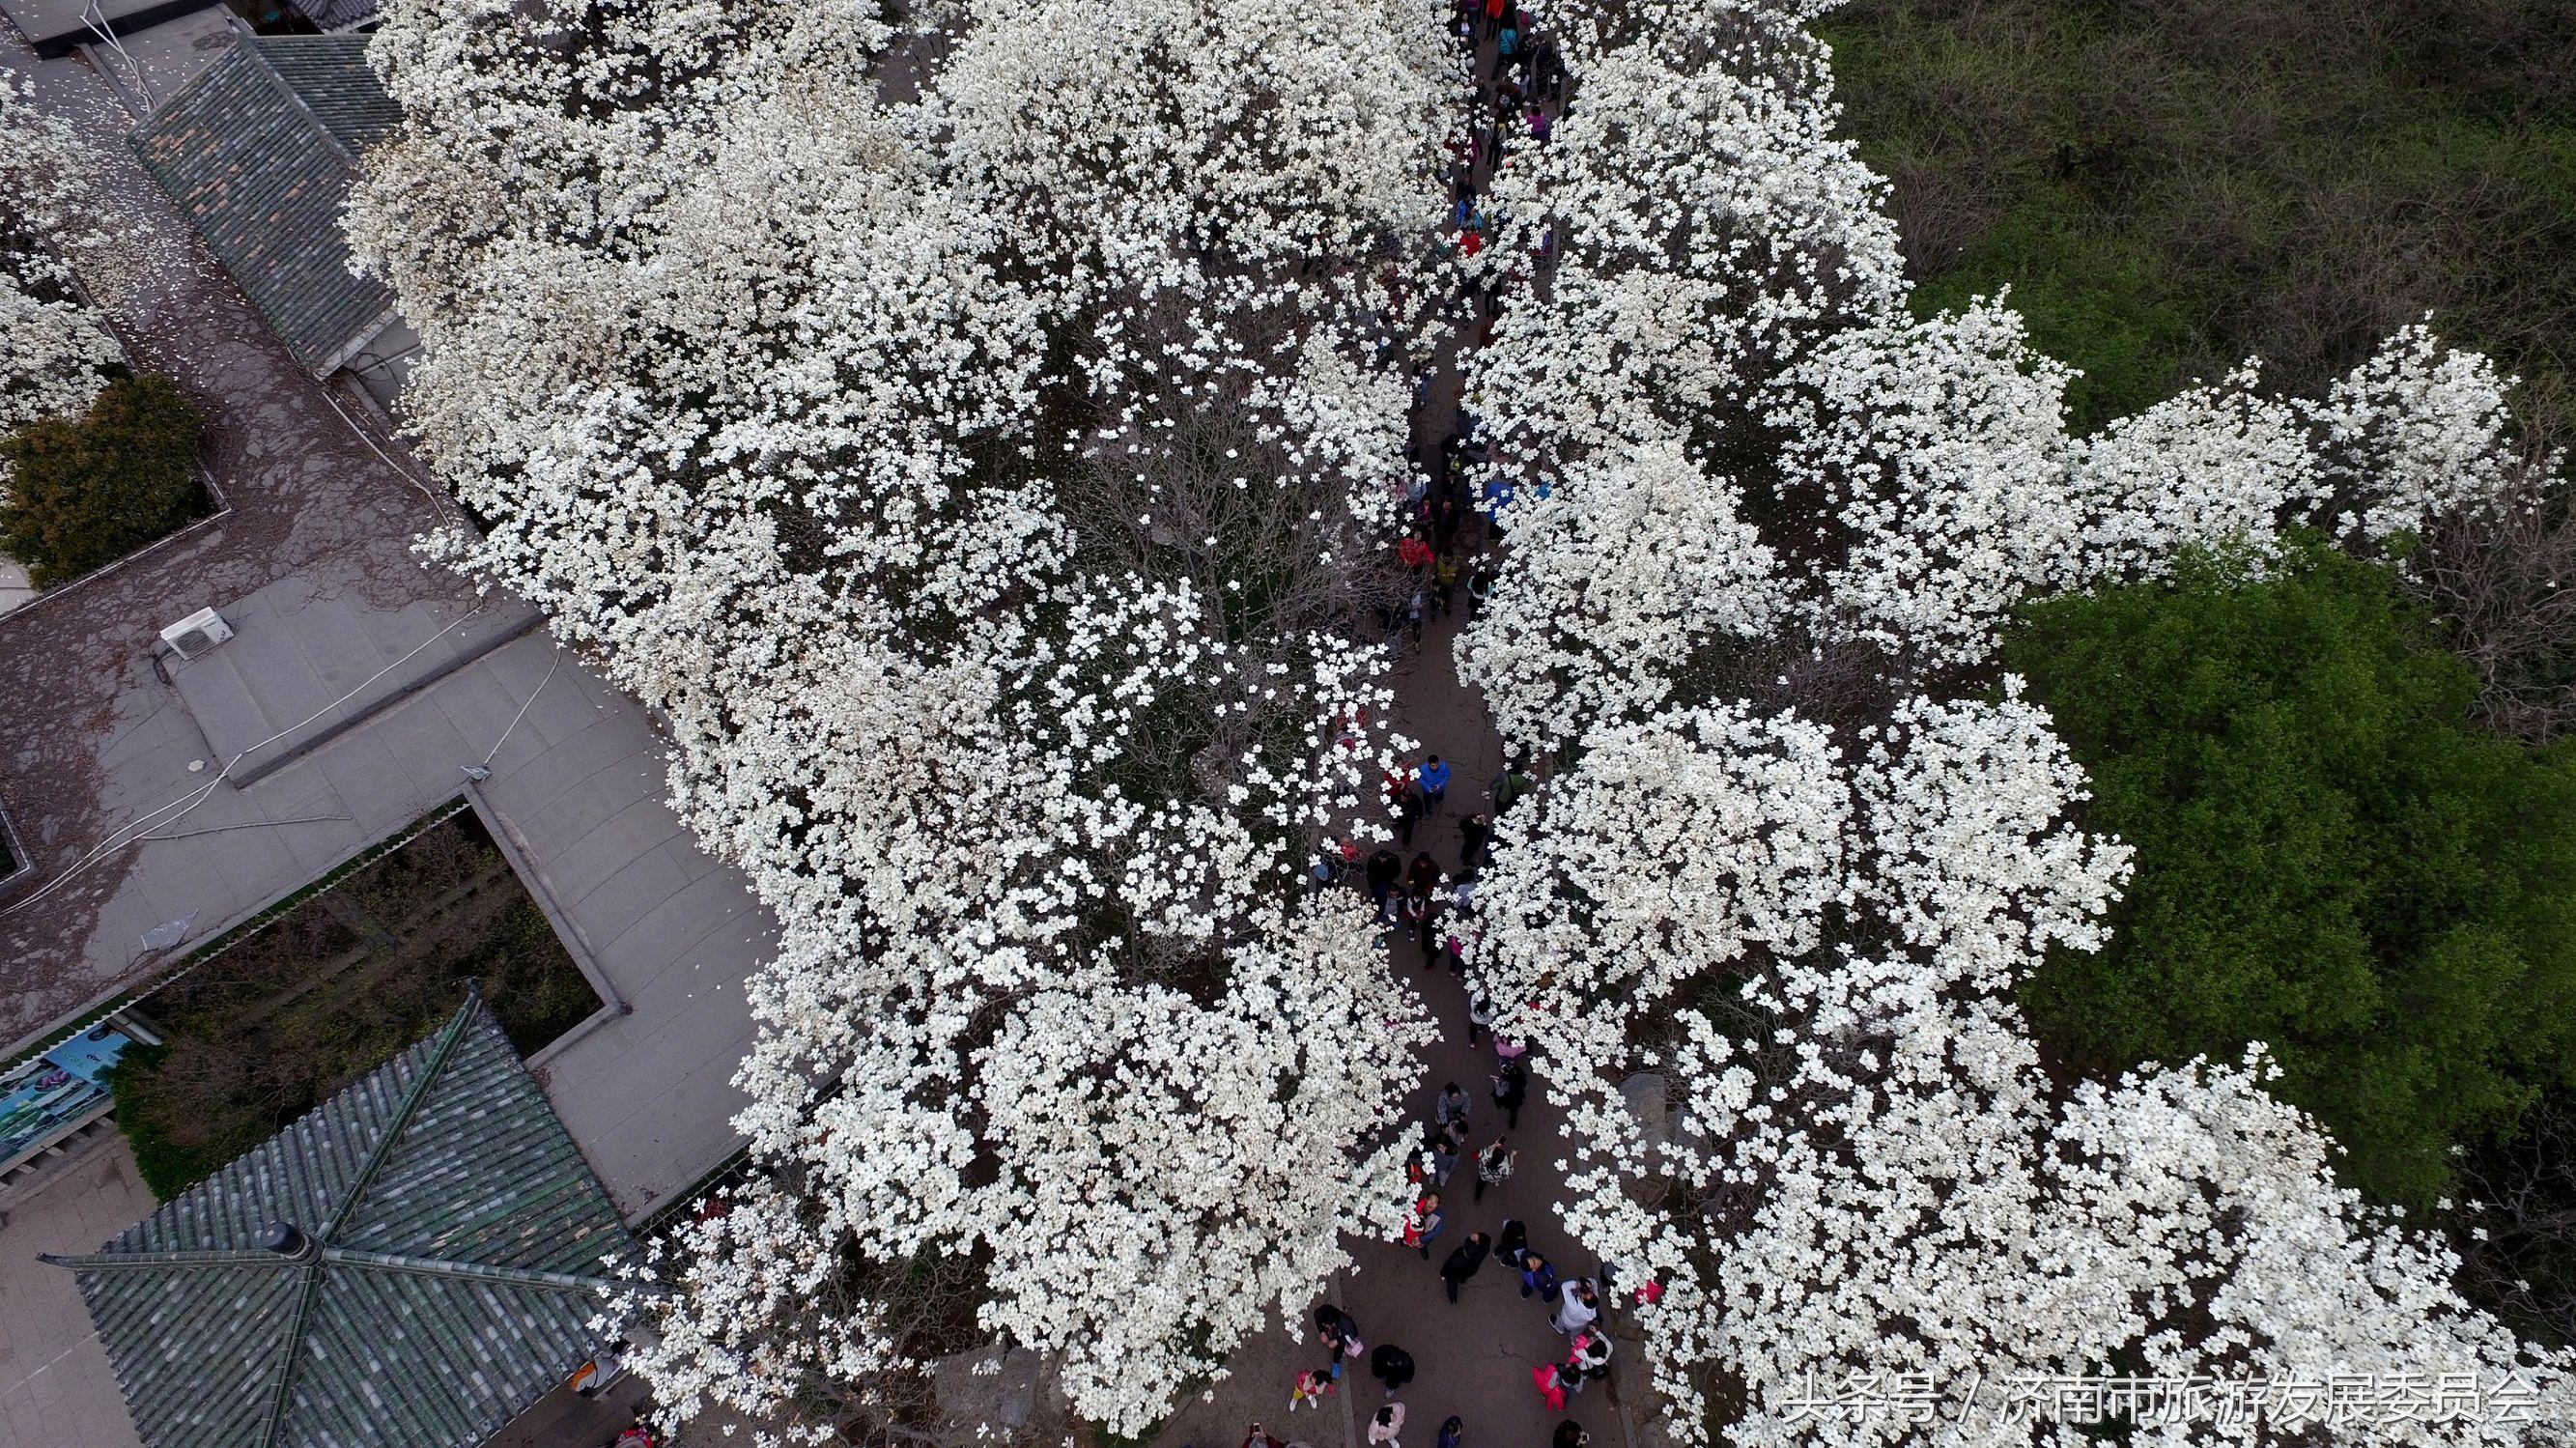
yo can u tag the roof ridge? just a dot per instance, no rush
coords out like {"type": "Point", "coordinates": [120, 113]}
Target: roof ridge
{"type": "Point", "coordinates": [282, 1391]}
{"type": "Point", "coordinates": [383, 1150]}
{"type": "Point", "coordinates": [259, 46]}
{"type": "Point", "coordinates": [134, 1261]}
{"type": "Point", "coordinates": [489, 1272]}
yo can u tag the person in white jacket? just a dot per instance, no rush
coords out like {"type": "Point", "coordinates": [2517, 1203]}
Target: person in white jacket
{"type": "Point", "coordinates": [1385, 1424]}
{"type": "Point", "coordinates": [1576, 1310]}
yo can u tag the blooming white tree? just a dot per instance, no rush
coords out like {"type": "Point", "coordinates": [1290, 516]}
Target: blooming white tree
{"type": "Point", "coordinates": [1776, 998]}
{"type": "Point", "coordinates": [55, 352]}
{"type": "Point", "coordinates": [2416, 429]}
{"type": "Point", "coordinates": [979, 454]}
{"type": "Point", "coordinates": [977, 444]}
{"type": "Point", "coordinates": [1853, 1161]}
{"type": "Point", "coordinates": [1619, 588]}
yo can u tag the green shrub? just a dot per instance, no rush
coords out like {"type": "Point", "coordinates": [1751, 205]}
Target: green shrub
{"type": "Point", "coordinates": [169, 1162]}
{"type": "Point", "coordinates": [84, 493]}
{"type": "Point", "coordinates": [2330, 858]}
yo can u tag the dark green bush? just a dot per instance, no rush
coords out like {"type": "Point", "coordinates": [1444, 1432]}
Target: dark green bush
{"type": "Point", "coordinates": [83, 493]}
{"type": "Point", "coordinates": [2330, 858]}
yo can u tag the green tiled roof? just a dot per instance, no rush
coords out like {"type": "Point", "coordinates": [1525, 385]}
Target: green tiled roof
{"type": "Point", "coordinates": [455, 1250]}
{"type": "Point", "coordinates": [259, 152]}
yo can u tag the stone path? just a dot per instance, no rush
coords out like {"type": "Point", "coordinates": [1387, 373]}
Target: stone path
{"type": "Point", "coordinates": [1472, 1360]}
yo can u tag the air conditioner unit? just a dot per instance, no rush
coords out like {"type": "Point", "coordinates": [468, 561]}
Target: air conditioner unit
{"type": "Point", "coordinates": [197, 633]}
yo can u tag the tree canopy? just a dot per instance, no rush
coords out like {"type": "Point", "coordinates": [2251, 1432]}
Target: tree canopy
{"type": "Point", "coordinates": [2330, 858]}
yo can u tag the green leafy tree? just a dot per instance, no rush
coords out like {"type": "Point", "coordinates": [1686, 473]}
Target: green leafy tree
{"type": "Point", "coordinates": [85, 492]}
{"type": "Point", "coordinates": [2330, 858]}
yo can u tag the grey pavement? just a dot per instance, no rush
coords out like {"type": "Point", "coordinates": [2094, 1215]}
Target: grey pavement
{"type": "Point", "coordinates": [56, 1388]}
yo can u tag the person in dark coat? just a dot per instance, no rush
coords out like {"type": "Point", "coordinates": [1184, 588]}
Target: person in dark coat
{"type": "Point", "coordinates": [1570, 1434]}
{"type": "Point", "coordinates": [1409, 809]}
{"type": "Point", "coordinates": [1463, 1261]}
{"type": "Point", "coordinates": [1423, 873]}
{"type": "Point", "coordinates": [1511, 1092]}
{"type": "Point", "coordinates": [1338, 1330]}
{"type": "Point", "coordinates": [1392, 1366]}
{"type": "Point", "coordinates": [1472, 835]}
{"type": "Point", "coordinates": [1513, 1244]}
{"type": "Point", "coordinates": [1385, 868]}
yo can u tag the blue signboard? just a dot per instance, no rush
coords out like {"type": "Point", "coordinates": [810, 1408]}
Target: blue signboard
{"type": "Point", "coordinates": [45, 1097]}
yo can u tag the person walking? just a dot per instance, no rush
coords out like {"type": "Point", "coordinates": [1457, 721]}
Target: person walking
{"type": "Point", "coordinates": [1511, 1088]}
{"type": "Point", "coordinates": [1551, 1386]}
{"type": "Point", "coordinates": [1453, 1107]}
{"type": "Point", "coordinates": [1385, 1423]}
{"type": "Point", "coordinates": [1472, 835]}
{"type": "Point", "coordinates": [1393, 1367]}
{"type": "Point", "coordinates": [1417, 914]}
{"type": "Point", "coordinates": [1452, 952]}
{"type": "Point", "coordinates": [1570, 1434]}
{"type": "Point", "coordinates": [1494, 1166]}
{"type": "Point", "coordinates": [1589, 1362]}
{"type": "Point", "coordinates": [1480, 1019]}
{"type": "Point", "coordinates": [1432, 777]}
{"type": "Point", "coordinates": [1313, 1386]}
{"type": "Point", "coordinates": [1451, 1430]}
{"type": "Point", "coordinates": [1425, 1225]}
{"type": "Point", "coordinates": [1408, 813]}
{"type": "Point", "coordinates": [1339, 1332]}
{"type": "Point", "coordinates": [1463, 1262]}
{"type": "Point", "coordinates": [1423, 873]}
{"type": "Point", "coordinates": [1538, 1277]}
{"type": "Point", "coordinates": [1384, 869]}
{"type": "Point", "coordinates": [1514, 784]}
{"type": "Point", "coordinates": [1576, 1307]}
{"type": "Point", "coordinates": [1448, 1144]}
{"type": "Point", "coordinates": [1511, 1243]}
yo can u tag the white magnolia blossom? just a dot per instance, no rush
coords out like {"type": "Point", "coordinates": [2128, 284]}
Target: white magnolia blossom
{"type": "Point", "coordinates": [1962, 807]}
{"type": "Point", "coordinates": [2208, 469]}
{"type": "Point", "coordinates": [1768, 966]}
{"type": "Point", "coordinates": [1722, 278]}
{"type": "Point", "coordinates": [962, 470]}
{"type": "Point", "coordinates": [55, 352]}
{"type": "Point", "coordinates": [2415, 430]}
{"type": "Point", "coordinates": [1617, 588]}
{"type": "Point", "coordinates": [1670, 850]}
{"type": "Point", "coordinates": [1938, 450]}
{"type": "Point", "coordinates": [1861, 1165]}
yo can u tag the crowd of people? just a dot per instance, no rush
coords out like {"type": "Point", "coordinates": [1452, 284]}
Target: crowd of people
{"type": "Point", "coordinates": [1520, 90]}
